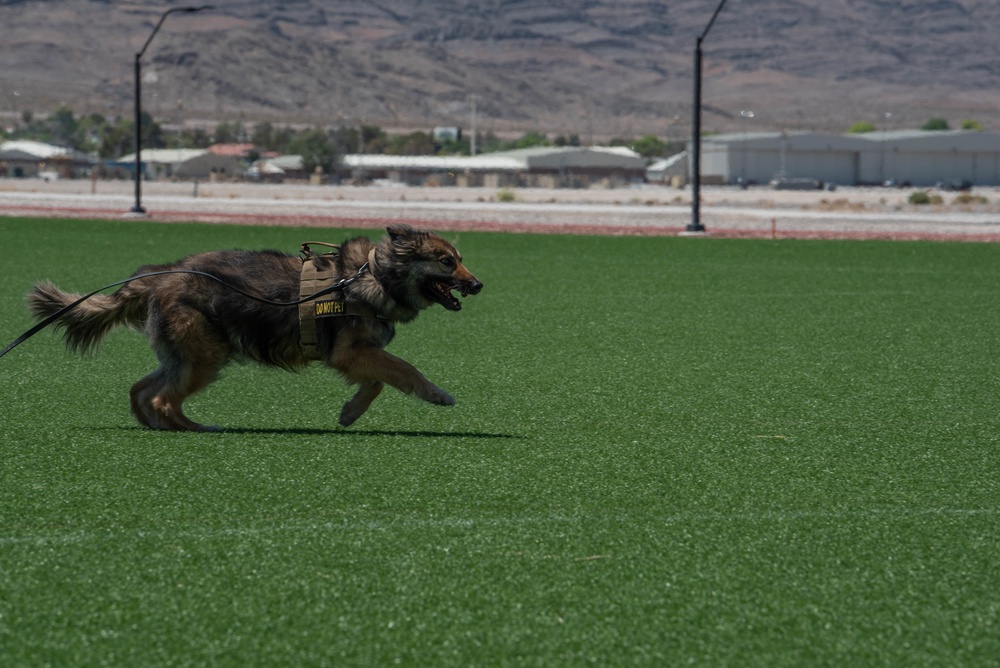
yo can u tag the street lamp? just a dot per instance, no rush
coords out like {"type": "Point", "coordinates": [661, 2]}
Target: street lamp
{"type": "Point", "coordinates": [745, 114]}
{"type": "Point", "coordinates": [695, 224]}
{"type": "Point", "coordinates": [137, 207]}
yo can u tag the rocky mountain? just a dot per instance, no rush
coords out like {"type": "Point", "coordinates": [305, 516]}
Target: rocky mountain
{"type": "Point", "coordinates": [597, 68]}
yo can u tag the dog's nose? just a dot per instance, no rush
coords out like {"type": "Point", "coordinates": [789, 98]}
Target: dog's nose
{"type": "Point", "coordinates": [475, 286]}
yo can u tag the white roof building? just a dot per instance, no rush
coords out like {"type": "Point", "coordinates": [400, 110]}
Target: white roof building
{"type": "Point", "coordinates": [184, 163]}
{"type": "Point", "coordinates": [35, 149]}
{"type": "Point", "coordinates": [25, 158]}
{"type": "Point", "coordinates": [544, 165]}
{"type": "Point", "coordinates": [667, 168]}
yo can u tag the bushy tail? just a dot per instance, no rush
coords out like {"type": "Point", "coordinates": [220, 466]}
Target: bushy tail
{"type": "Point", "coordinates": [87, 324]}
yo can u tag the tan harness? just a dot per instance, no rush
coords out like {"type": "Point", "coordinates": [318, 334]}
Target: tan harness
{"type": "Point", "coordinates": [313, 281]}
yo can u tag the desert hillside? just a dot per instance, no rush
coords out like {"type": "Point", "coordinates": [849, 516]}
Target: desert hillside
{"type": "Point", "coordinates": [597, 68]}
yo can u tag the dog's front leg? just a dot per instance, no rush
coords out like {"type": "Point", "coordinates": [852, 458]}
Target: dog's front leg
{"type": "Point", "coordinates": [367, 363]}
{"type": "Point", "coordinates": [360, 402]}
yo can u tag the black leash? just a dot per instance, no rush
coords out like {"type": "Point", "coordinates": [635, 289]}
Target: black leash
{"type": "Point", "coordinates": [55, 316]}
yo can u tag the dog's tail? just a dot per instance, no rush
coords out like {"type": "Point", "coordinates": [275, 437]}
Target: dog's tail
{"type": "Point", "coordinates": [87, 324]}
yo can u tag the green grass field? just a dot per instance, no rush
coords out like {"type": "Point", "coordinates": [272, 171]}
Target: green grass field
{"type": "Point", "coordinates": [665, 452]}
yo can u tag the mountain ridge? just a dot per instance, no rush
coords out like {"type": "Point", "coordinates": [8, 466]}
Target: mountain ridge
{"type": "Point", "coordinates": [596, 67]}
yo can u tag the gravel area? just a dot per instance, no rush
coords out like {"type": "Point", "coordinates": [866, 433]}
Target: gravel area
{"type": "Point", "coordinates": [877, 213]}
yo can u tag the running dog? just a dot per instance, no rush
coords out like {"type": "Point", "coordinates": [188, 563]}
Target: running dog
{"type": "Point", "coordinates": [196, 324]}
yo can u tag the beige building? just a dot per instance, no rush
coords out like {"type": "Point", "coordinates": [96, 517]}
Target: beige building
{"type": "Point", "coordinates": [185, 163]}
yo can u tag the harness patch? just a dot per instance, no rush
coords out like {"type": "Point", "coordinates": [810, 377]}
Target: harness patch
{"type": "Point", "coordinates": [329, 308]}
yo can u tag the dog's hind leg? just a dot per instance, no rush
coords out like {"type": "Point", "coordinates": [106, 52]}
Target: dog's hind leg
{"type": "Point", "coordinates": [168, 402]}
{"type": "Point", "coordinates": [158, 398]}
{"type": "Point", "coordinates": [360, 402]}
{"type": "Point", "coordinates": [141, 396]}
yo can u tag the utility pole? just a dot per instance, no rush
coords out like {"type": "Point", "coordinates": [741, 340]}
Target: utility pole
{"type": "Point", "coordinates": [137, 207]}
{"type": "Point", "coordinates": [695, 224]}
{"type": "Point", "coordinates": [472, 131]}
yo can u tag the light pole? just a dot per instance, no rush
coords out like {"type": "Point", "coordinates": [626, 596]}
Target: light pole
{"type": "Point", "coordinates": [745, 114]}
{"type": "Point", "coordinates": [137, 207]}
{"type": "Point", "coordinates": [695, 224]}
{"type": "Point", "coordinates": [881, 154]}
{"type": "Point", "coordinates": [472, 133]}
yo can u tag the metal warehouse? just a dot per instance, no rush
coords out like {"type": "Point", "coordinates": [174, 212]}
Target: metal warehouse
{"type": "Point", "coordinates": [921, 158]}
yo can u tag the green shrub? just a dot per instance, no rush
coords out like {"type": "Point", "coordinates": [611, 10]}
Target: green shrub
{"type": "Point", "coordinates": [969, 198]}
{"type": "Point", "coordinates": [506, 195]}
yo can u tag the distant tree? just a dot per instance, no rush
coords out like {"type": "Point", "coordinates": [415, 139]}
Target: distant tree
{"type": "Point", "coordinates": [263, 135]}
{"type": "Point", "coordinates": [532, 139]}
{"type": "Point", "coordinates": [562, 140]}
{"type": "Point", "coordinates": [649, 146]}
{"type": "Point", "coordinates": [227, 133]}
{"type": "Point", "coordinates": [451, 146]}
{"type": "Point", "coordinates": [193, 138]}
{"type": "Point", "coordinates": [197, 138]}
{"type": "Point", "coordinates": [117, 140]}
{"type": "Point", "coordinates": [861, 127]}
{"type": "Point", "coordinates": [969, 124]}
{"type": "Point", "coordinates": [282, 140]}
{"type": "Point", "coordinates": [376, 140]}
{"type": "Point", "coordinates": [935, 124]}
{"type": "Point", "coordinates": [371, 139]}
{"type": "Point", "coordinates": [316, 149]}
{"type": "Point", "coordinates": [490, 143]}
{"type": "Point", "coordinates": [61, 126]}
{"type": "Point", "coordinates": [89, 132]}
{"type": "Point", "coordinates": [413, 143]}
{"type": "Point", "coordinates": [152, 133]}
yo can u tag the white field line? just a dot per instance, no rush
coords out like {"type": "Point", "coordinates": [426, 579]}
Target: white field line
{"type": "Point", "coordinates": [348, 526]}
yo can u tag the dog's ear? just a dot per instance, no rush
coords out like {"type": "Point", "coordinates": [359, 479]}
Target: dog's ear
{"type": "Point", "coordinates": [405, 238]}
{"type": "Point", "coordinates": [400, 232]}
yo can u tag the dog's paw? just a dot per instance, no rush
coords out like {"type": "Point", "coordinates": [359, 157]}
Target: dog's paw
{"type": "Point", "coordinates": [438, 396]}
{"type": "Point", "coordinates": [349, 415]}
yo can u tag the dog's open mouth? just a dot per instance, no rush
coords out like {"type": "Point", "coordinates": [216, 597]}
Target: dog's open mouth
{"type": "Point", "coordinates": [442, 294]}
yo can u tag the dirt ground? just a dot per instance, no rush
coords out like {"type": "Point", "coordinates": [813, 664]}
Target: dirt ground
{"type": "Point", "coordinates": [639, 210]}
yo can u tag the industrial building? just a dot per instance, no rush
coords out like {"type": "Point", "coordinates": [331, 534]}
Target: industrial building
{"type": "Point", "coordinates": [916, 157]}
{"type": "Point", "coordinates": [541, 167]}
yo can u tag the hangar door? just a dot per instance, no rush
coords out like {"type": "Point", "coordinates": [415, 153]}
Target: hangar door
{"type": "Point", "coordinates": [840, 167]}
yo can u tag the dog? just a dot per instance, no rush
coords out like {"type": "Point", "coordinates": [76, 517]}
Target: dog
{"type": "Point", "coordinates": [197, 325]}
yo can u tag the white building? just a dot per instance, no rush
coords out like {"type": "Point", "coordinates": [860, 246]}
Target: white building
{"type": "Point", "coordinates": [917, 157]}
{"type": "Point", "coordinates": [546, 167]}
{"type": "Point", "coordinates": [24, 158]}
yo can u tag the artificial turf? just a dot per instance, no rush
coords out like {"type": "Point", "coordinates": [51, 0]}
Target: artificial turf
{"type": "Point", "coordinates": [665, 451]}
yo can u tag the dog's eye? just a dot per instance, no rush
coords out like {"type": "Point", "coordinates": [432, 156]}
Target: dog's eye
{"type": "Point", "coordinates": [448, 261]}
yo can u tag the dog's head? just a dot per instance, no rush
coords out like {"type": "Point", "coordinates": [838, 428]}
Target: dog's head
{"type": "Point", "coordinates": [423, 269]}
